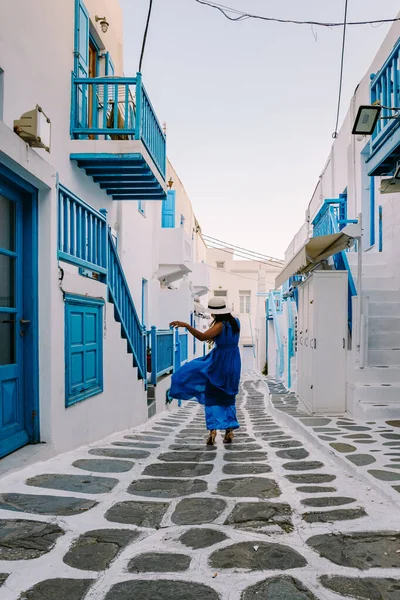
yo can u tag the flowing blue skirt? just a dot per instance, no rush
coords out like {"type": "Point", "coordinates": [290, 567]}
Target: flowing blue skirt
{"type": "Point", "coordinates": [213, 381]}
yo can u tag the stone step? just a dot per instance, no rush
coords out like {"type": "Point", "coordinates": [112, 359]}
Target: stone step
{"type": "Point", "coordinates": [376, 375]}
{"type": "Point", "coordinates": [376, 393]}
{"type": "Point", "coordinates": [364, 411]}
{"type": "Point", "coordinates": [379, 295]}
{"type": "Point", "coordinates": [383, 358]}
{"type": "Point", "coordinates": [374, 283]}
{"type": "Point", "coordinates": [384, 324]}
{"type": "Point", "coordinates": [384, 309]}
{"type": "Point", "coordinates": [384, 340]}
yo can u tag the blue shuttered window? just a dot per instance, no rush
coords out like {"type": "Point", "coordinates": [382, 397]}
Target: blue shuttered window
{"type": "Point", "coordinates": [110, 71]}
{"type": "Point", "coordinates": [81, 62]}
{"type": "Point", "coordinates": [168, 210]}
{"type": "Point", "coordinates": [83, 348]}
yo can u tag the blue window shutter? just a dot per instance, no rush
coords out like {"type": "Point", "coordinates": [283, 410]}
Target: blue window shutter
{"type": "Point", "coordinates": [110, 70]}
{"type": "Point", "coordinates": [81, 39]}
{"type": "Point", "coordinates": [83, 348]}
{"type": "Point", "coordinates": [168, 210]}
{"type": "Point", "coordinates": [81, 62]}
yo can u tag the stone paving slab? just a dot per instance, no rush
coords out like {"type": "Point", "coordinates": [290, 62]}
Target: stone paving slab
{"type": "Point", "coordinates": [359, 444]}
{"type": "Point", "coordinates": [168, 518]}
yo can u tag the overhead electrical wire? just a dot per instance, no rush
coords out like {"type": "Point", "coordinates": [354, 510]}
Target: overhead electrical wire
{"type": "Point", "coordinates": [335, 133]}
{"type": "Point", "coordinates": [230, 273]}
{"type": "Point", "coordinates": [145, 35]}
{"type": "Point", "coordinates": [240, 251]}
{"type": "Point", "coordinates": [242, 16]}
{"type": "Point", "coordinates": [237, 253]}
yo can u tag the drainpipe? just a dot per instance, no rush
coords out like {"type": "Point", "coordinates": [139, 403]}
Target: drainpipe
{"type": "Point", "coordinates": [359, 286]}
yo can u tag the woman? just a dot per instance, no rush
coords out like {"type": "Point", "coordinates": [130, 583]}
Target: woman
{"type": "Point", "coordinates": [213, 380]}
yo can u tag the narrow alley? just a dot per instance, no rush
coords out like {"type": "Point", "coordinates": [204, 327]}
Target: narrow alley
{"type": "Point", "coordinates": [153, 513]}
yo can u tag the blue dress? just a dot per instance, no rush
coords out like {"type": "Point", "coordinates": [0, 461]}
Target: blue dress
{"type": "Point", "coordinates": [213, 380]}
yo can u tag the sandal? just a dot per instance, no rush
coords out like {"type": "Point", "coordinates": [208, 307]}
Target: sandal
{"type": "Point", "coordinates": [211, 437]}
{"type": "Point", "coordinates": [228, 439]}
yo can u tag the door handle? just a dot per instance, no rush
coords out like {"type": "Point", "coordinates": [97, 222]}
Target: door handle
{"type": "Point", "coordinates": [8, 322]}
{"type": "Point", "coordinates": [23, 322]}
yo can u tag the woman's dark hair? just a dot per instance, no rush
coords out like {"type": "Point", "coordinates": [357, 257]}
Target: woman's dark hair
{"type": "Point", "coordinates": [227, 318]}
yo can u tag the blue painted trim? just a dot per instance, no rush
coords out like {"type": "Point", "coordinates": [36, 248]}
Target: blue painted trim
{"type": "Point", "coordinates": [380, 217]}
{"type": "Point", "coordinates": [109, 68]}
{"type": "Point", "coordinates": [17, 184]}
{"type": "Point", "coordinates": [372, 211]}
{"type": "Point", "coordinates": [83, 300]}
{"type": "Point", "coordinates": [72, 300]}
{"type": "Point", "coordinates": [141, 207]}
{"type": "Point", "coordinates": [80, 263]}
{"type": "Point", "coordinates": [144, 284]}
{"type": "Point", "coordinates": [383, 155]}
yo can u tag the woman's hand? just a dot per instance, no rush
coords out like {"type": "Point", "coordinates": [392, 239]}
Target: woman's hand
{"type": "Point", "coordinates": [178, 324]}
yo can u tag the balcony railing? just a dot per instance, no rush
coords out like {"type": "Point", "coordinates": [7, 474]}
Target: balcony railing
{"type": "Point", "coordinates": [329, 220]}
{"type": "Point", "coordinates": [385, 90]}
{"type": "Point", "coordinates": [184, 342]}
{"type": "Point", "coordinates": [169, 350]}
{"type": "Point", "coordinates": [82, 233]}
{"type": "Point", "coordinates": [117, 108]}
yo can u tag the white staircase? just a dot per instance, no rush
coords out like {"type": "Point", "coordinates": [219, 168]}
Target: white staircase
{"type": "Point", "coordinates": [375, 390]}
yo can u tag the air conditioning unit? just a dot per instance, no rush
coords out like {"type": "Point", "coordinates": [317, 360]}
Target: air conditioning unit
{"type": "Point", "coordinates": [34, 128]}
{"type": "Point", "coordinates": [390, 186]}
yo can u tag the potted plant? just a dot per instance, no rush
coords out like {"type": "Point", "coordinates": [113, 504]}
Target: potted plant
{"type": "Point", "coordinates": [149, 360]}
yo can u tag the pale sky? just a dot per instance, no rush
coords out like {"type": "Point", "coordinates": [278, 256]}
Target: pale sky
{"type": "Point", "coordinates": [250, 107]}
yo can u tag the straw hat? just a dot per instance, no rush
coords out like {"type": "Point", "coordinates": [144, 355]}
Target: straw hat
{"type": "Point", "coordinates": [217, 306]}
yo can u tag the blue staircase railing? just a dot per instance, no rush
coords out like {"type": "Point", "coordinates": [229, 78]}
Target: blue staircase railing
{"type": "Point", "coordinates": [82, 233]}
{"type": "Point", "coordinates": [183, 339]}
{"type": "Point", "coordinates": [124, 309]}
{"type": "Point", "coordinates": [274, 306]}
{"type": "Point", "coordinates": [329, 220]}
{"type": "Point", "coordinates": [162, 353]}
{"type": "Point", "coordinates": [117, 108]}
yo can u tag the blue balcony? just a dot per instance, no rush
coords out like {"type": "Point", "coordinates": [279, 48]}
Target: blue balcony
{"type": "Point", "coordinates": [117, 138]}
{"type": "Point", "coordinates": [385, 141]}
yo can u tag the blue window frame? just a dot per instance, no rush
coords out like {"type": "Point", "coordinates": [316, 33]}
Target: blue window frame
{"type": "Point", "coordinates": [168, 210]}
{"type": "Point", "coordinates": [109, 70]}
{"type": "Point", "coordinates": [144, 301]}
{"type": "Point", "coordinates": [83, 348]}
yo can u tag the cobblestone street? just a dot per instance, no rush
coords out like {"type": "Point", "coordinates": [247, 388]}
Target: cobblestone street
{"type": "Point", "coordinates": [154, 514]}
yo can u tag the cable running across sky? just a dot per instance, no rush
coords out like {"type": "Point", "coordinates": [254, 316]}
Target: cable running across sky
{"type": "Point", "coordinates": [242, 16]}
{"type": "Point", "coordinates": [335, 133]}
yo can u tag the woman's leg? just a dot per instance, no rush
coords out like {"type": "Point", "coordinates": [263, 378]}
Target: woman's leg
{"type": "Point", "coordinates": [228, 438]}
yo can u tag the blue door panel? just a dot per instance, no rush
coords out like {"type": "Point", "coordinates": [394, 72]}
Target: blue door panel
{"type": "Point", "coordinates": [168, 210]}
{"type": "Point", "coordinates": [84, 349]}
{"type": "Point", "coordinates": [13, 432]}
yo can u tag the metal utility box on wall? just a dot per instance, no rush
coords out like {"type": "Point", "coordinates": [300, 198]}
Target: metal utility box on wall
{"type": "Point", "coordinates": [322, 342]}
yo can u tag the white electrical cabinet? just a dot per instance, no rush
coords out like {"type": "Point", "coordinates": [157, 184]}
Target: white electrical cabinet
{"type": "Point", "coordinates": [322, 342]}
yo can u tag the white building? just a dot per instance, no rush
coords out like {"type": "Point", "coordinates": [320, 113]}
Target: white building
{"type": "Point", "coordinates": [95, 249]}
{"type": "Point", "coordinates": [359, 178]}
{"type": "Point", "coordinates": [245, 284]}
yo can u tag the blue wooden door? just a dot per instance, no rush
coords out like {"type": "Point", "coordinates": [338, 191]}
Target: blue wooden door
{"type": "Point", "coordinates": [13, 431]}
{"type": "Point", "coordinates": [168, 210]}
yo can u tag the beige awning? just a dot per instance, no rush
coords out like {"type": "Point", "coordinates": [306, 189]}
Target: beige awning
{"type": "Point", "coordinates": [313, 252]}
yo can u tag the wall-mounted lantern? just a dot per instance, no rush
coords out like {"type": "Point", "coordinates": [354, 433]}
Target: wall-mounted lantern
{"type": "Point", "coordinates": [104, 24]}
